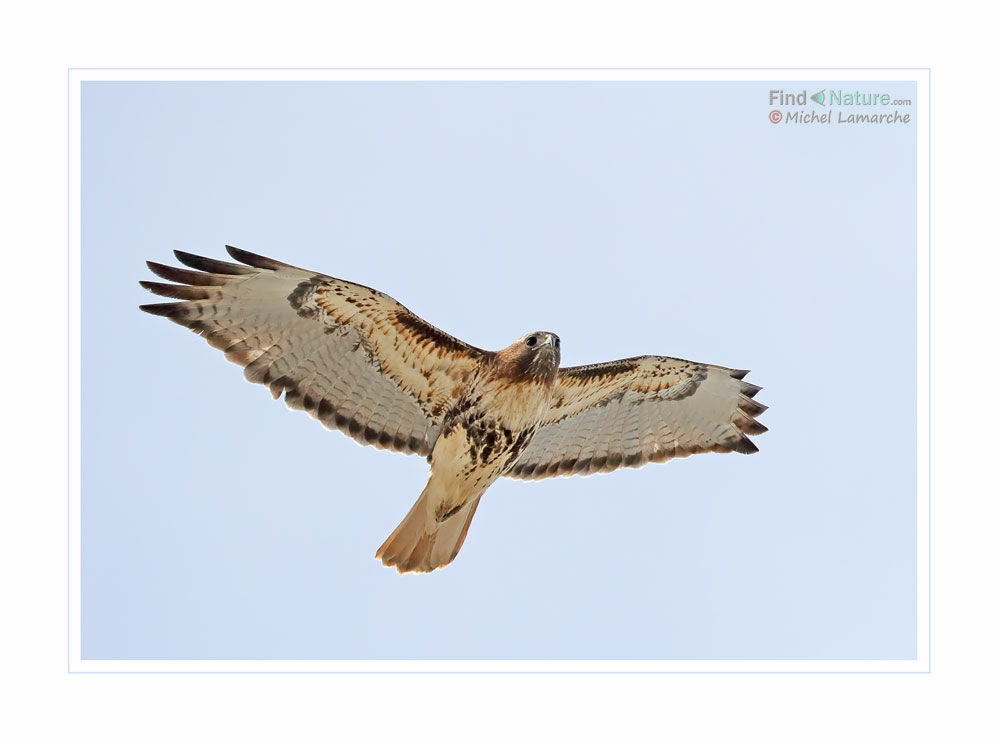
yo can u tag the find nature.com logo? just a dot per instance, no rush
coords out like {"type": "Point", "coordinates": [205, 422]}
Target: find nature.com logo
{"type": "Point", "coordinates": [868, 103]}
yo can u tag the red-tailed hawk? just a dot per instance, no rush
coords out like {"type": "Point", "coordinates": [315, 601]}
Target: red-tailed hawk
{"type": "Point", "coordinates": [360, 362]}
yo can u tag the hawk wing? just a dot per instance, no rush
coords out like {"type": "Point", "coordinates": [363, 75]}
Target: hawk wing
{"type": "Point", "coordinates": [630, 412]}
{"type": "Point", "coordinates": [354, 358]}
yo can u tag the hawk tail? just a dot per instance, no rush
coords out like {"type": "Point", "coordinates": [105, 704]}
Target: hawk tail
{"type": "Point", "coordinates": [421, 543]}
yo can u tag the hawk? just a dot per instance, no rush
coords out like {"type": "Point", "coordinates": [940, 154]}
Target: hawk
{"type": "Point", "coordinates": [360, 362]}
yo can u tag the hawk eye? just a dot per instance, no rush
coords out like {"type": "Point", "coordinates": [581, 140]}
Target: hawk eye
{"type": "Point", "coordinates": [532, 341]}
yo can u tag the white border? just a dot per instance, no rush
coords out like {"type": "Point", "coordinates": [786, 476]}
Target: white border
{"type": "Point", "coordinates": [922, 110]}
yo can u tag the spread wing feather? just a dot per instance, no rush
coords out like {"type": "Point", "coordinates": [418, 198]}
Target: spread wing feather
{"type": "Point", "coordinates": [634, 411]}
{"type": "Point", "coordinates": [354, 358]}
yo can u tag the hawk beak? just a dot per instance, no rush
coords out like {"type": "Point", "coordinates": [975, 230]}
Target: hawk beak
{"type": "Point", "coordinates": [551, 340]}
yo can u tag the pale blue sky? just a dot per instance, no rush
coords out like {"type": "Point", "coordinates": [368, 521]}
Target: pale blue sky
{"type": "Point", "coordinates": [664, 218]}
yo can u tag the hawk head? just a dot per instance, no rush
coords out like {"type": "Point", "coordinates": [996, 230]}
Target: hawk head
{"type": "Point", "coordinates": [534, 357]}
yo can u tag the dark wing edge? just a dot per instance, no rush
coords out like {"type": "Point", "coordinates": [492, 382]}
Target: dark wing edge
{"type": "Point", "coordinates": [557, 450]}
{"type": "Point", "coordinates": [252, 311]}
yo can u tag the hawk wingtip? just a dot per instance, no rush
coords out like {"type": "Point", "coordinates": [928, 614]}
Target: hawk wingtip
{"type": "Point", "coordinates": [186, 257]}
{"type": "Point", "coordinates": [164, 309]}
{"type": "Point", "coordinates": [255, 260]}
{"type": "Point", "coordinates": [751, 407]}
{"type": "Point", "coordinates": [210, 265]}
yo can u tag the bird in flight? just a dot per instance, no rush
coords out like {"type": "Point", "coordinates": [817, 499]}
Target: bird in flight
{"type": "Point", "coordinates": [360, 362]}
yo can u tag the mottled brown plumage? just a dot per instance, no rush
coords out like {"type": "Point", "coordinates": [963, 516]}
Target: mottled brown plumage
{"type": "Point", "coordinates": [362, 363]}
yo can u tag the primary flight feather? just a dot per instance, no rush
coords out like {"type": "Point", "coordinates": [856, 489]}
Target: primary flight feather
{"type": "Point", "coordinates": [359, 361]}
